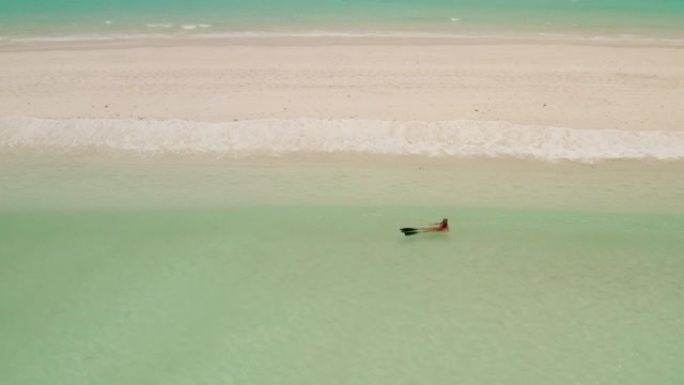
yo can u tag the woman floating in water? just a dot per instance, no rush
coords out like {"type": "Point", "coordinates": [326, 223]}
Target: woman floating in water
{"type": "Point", "coordinates": [435, 227]}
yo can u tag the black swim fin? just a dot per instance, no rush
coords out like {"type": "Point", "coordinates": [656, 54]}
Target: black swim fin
{"type": "Point", "coordinates": [410, 231]}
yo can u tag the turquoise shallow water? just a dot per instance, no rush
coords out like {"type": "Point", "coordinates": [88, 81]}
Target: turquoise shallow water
{"type": "Point", "coordinates": [303, 294]}
{"type": "Point", "coordinates": [186, 271]}
{"type": "Point", "coordinates": [612, 18]}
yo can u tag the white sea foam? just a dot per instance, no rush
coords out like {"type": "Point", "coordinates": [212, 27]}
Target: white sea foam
{"type": "Point", "coordinates": [164, 30]}
{"type": "Point", "coordinates": [195, 26]}
{"type": "Point", "coordinates": [273, 137]}
{"type": "Point", "coordinates": [159, 25]}
{"type": "Point", "coordinates": [60, 39]}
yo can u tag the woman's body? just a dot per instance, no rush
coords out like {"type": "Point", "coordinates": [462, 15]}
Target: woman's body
{"type": "Point", "coordinates": [436, 227]}
{"type": "Point", "coordinates": [441, 226]}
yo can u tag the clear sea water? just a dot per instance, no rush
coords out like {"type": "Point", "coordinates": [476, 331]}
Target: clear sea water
{"type": "Point", "coordinates": [35, 19]}
{"type": "Point", "coordinates": [192, 270]}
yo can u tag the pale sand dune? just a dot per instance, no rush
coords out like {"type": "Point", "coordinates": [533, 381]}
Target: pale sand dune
{"type": "Point", "coordinates": [577, 85]}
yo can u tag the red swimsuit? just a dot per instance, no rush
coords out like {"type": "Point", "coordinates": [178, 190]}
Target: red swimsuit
{"type": "Point", "coordinates": [442, 227]}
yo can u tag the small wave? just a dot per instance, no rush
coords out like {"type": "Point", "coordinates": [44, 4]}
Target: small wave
{"type": "Point", "coordinates": [207, 31]}
{"type": "Point", "coordinates": [195, 26]}
{"type": "Point", "coordinates": [274, 137]}
{"type": "Point", "coordinates": [161, 25]}
{"type": "Point", "coordinates": [86, 38]}
{"type": "Point", "coordinates": [60, 39]}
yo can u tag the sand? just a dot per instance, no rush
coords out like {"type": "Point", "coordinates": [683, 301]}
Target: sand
{"type": "Point", "coordinates": [575, 84]}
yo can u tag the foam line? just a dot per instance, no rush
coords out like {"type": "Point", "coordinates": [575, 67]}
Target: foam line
{"type": "Point", "coordinates": [272, 137]}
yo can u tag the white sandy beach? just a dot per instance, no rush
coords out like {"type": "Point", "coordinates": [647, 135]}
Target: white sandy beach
{"type": "Point", "coordinates": [575, 84]}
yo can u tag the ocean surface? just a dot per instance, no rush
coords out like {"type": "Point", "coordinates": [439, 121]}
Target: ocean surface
{"type": "Point", "coordinates": [186, 269]}
{"type": "Point", "coordinates": [87, 19]}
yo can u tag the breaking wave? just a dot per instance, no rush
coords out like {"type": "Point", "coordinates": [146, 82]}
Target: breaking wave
{"type": "Point", "coordinates": [275, 137]}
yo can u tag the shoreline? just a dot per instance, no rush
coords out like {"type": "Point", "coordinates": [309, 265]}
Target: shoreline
{"type": "Point", "coordinates": [275, 137]}
{"type": "Point", "coordinates": [332, 39]}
